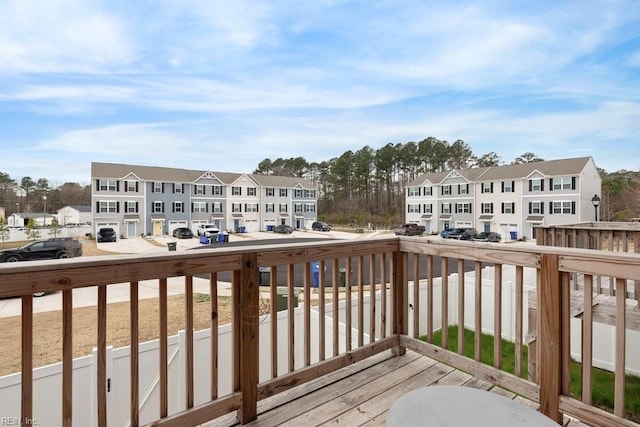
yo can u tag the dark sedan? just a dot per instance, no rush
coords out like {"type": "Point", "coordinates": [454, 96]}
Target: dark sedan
{"type": "Point", "coordinates": [183, 233]}
{"type": "Point", "coordinates": [487, 236]}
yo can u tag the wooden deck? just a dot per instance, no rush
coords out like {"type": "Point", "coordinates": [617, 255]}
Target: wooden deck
{"type": "Point", "coordinates": [361, 394]}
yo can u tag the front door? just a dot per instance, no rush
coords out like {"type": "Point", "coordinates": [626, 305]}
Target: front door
{"type": "Point", "coordinates": [131, 229]}
{"type": "Point", "coordinates": [157, 228]}
{"type": "Point", "coordinates": [487, 226]}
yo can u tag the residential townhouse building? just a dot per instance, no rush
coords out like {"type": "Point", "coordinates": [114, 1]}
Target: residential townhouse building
{"type": "Point", "coordinates": [147, 200]}
{"type": "Point", "coordinates": [511, 200]}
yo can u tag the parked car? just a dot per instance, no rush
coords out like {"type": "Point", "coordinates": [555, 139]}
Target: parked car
{"type": "Point", "coordinates": [409, 230]}
{"type": "Point", "coordinates": [107, 234]}
{"type": "Point", "coordinates": [183, 233]}
{"type": "Point", "coordinates": [445, 233]}
{"type": "Point", "coordinates": [462, 233]}
{"type": "Point", "coordinates": [320, 226]}
{"type": "Point", "coordinates": [283, 229]}
{"type": "Point", "coordinates": [487, 236]}
{"type": "Point", "coordinates": [43, 249]}
{"type": "Point", "coordinates": [208, 230]}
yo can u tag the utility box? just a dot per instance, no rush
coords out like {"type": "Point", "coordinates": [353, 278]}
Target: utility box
{"type": "Point", "coordinates": [282, 301]}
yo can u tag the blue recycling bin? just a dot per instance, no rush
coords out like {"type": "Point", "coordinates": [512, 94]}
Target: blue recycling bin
{"type": "Point", "coordinates": [514, 235]}
{"type": "Point", "coordinates": [243, 229]}
{"type": "Point", "coordinates": [269, 227]}
{"type": "Point", "coordinates": [315, 268]}
{"type": "Point", "coordinates": [220, 237]}
{"type": "Point", "coordinates": [204, 240]}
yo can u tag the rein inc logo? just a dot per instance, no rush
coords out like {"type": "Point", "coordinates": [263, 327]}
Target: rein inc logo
{"type": "Point", "coordinates": [17, 421]}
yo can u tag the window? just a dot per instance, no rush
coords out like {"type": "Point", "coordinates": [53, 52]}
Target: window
{"type": "Point", "coordinates": [236, 191]}
{"type": "Point", "coordinates": [108, 185]}
{"type": "Point", "coordinates": [283, 207]}
{"type": "Point", "coordinates": [178, 207]}
{"type": "Point", "coordinates": [563, 207]}
{"type": "Point", "coordinates": [131, 207]}
{"type": "Point", "coordinates": [413, 191]}
{"type": "Point", "coordinates": [251, 191]}
{"type": "Point", "coordinates": [107, 206]}
{"type": "Point", "coordinates": [413, 208]}
{"type": "Point", "coordinates": [508, 208]}
{"type": "Point", "coordinates": [216, 190]}
{"type": "Point", "coordinates": [487, 187]}
{"type": "Point", "coordinates": [216, 207]}
{"type": "Point", "coordinates": [199, 207]}
{"type": "Point", "coordinates": [427, 191]}
{"type": "Point", "coordinates": [463, 188]}
{"type": "Point", "coordinates": [536, 208]}
{"type": "Point", "coordinates": [536, 184]}
{"type": "Point", "coordinates": [486, 208]}
{"type": "Point", "coordinates": [270, 191]}
{"type": "Point", "coordinates": [269, 207]}
{"type": "Point", "coordinates": [251, 207]}
{"type": "Point", "coordinates": [297, 207]}
{"type": "Point", "coordinates": [309, 207]}
{"type": "Point", "coordinates": [446, 208]}
{"type": "Point", "coordinates": [157, 207]}
{"type": "Point", "coordinates": [463, 207]}
{"type": "Point", "coordinates": [297, 193]}
{"type": "Point", "coordinates": [563, 183]}
{"type": "Point", "coordinates": [427, 208]}
{"type": "Point", "coordinates": [132, 186]}
{"type": "Point", "coordinates": [177, 188]}
{"type": "Point", "coordinates": [309, 194]}
{"type": "Point", "coordinates": [236, 207]}
{"type": "Point", "coordinates": [198, 189]}
{"type": "Point", "coordinates": [284, 192]}
{"type": "Point", "coordinates": [446, 189]}
{"type": "Point", "coordinates": [158, 187]}
{"type": "Point", "coordinates": [508, 186]}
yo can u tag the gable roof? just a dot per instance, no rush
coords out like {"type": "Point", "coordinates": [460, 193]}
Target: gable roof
{"type": "Point", "coordinates": [156, 173]}
{"type": "Point", "coordinates": [496, 173]}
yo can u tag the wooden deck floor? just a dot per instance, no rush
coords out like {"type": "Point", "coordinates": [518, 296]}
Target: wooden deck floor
{"type": "Point", "coordinates": [360, 394]}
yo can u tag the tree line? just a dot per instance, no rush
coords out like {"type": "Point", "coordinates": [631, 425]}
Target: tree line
{"type": "Point", "coordinates": [367, 185]}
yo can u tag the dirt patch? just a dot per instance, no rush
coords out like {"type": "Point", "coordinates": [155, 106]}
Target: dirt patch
{"type": "Point", "coordinates": [47, 328]}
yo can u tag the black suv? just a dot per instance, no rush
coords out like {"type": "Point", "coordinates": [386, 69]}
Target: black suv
{"type": "Point", "coordinates": [320, 226]}
{"type": "Point", "coordinates": [43, 249]}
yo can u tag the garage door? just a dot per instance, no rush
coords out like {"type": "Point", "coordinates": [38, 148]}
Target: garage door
{"type": "Point", "coordinates": [114, 225]}
{"type": "Point", "coordinates": [251, 225]}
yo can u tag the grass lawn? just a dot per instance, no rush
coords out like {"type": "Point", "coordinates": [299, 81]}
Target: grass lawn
{"type": "Point", "coordinates": [603, 380]}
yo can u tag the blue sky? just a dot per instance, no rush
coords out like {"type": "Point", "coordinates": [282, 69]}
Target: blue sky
{"type": "Point", "coordinates": [223, 85]}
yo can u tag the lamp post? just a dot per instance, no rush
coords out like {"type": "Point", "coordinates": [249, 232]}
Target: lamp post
{"type": "Point", "coordinates": [44, 216]}
{"type": "Point", "coordinates": [595, 201]}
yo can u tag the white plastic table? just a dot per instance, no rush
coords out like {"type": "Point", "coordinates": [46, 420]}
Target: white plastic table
{"type": "Point", "coordinates": [454, 406]}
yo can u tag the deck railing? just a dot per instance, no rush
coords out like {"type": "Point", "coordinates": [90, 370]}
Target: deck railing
{"type": "Point", "coordinates": [359, 298]}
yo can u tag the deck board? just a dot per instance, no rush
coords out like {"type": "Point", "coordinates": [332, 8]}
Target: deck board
{"type": "Point", "coordinates": [360, 394]}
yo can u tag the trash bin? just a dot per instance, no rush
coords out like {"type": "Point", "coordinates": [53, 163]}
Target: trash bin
{"type": "Point", "coordinates": [265, 276]}
{"type": "Point", "coordinates": [343, 276]}
{"type": "Point", "coordinates": [172, 246]}
{"type": "Point", "coordinates": [315, 268]}
{"type": "Point", "coordinates": [225, 237]}
{"type": "Point", "coordinates": [243, 229]}
{"type": "Point", "coordinates": [269, 227]}
{"type": "Point", "coordinates": [514, 235]}
{"type": "Point", "coordinates": [220, 238]}
{"type": "Point", "coordinates": [282, 299]}
{"type": "Point", "coordinates": [204, 240]}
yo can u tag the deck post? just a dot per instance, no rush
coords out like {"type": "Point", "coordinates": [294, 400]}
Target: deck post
{"type": "Point", "coordinates": [550, 337]}
{"type": "Point", "coordinates": [400, 295]}
{"type": "Point", "coordinates": [248, 304]}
